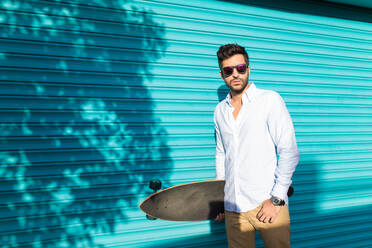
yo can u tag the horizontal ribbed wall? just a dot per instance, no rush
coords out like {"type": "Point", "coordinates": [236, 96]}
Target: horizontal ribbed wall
{"type": "Point", "coordinates": [100, 97]}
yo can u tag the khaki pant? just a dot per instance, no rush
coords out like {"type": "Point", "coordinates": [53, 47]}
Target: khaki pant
{"type": "Point", "coordinates": [241, 228]}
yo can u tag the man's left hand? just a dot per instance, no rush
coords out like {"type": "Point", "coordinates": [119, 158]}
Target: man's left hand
{"type": "Point", "coordinates": [268, 212]}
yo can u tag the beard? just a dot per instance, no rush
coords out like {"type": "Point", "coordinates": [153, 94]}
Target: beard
{"type": "Point", "coordinates": [238, 89]}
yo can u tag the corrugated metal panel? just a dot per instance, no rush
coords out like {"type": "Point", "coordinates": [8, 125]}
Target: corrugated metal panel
{"type": "Point", "coordinates": [100, 97]}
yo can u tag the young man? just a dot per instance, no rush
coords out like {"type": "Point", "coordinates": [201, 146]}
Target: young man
{"type": "Point", "coordinates": [253, 126]}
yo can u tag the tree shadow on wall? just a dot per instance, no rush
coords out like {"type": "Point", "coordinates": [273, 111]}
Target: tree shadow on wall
{"type": "Point", "coordinates": [79, 135]}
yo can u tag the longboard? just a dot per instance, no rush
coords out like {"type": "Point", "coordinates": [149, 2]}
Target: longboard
{"type": "Point", "coordinates": [187, 202]}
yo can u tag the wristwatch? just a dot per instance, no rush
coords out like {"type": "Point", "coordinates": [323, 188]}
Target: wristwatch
{"type": "Point", "coordinates": [277, 201]}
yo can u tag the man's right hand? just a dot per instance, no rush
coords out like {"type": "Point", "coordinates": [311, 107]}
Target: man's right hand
{"type": "Point", "coordinates": [220, 217]}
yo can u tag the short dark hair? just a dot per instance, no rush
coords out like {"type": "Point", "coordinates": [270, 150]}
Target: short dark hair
{"type": "Point", "coordinates": [228, 50]}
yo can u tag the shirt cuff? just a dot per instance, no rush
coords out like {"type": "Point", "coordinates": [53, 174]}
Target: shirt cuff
{"type": "Point", "coordinates": [280, 191]}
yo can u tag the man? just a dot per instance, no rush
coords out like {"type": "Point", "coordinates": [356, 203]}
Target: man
{"type": "Point", "coordinates": [252, 127]}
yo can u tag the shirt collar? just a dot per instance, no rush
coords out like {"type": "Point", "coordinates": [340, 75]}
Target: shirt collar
{"type": "Point", "coordinates": [248, 94]}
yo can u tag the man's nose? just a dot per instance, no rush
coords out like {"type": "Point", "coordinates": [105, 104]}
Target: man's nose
{"type": "Point", "coordinates": [235, 73]}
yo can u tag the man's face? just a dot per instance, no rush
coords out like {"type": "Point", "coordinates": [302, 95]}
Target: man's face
{"type": "Point", "coordinates": [236, 82]}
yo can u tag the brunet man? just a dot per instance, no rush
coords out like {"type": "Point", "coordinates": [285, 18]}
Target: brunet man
{"type": "Point", "coordinates": [253, 126]}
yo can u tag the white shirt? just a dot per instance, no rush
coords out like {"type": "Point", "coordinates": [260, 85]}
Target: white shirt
{"type": "Point", "coordinates": [247, 148]}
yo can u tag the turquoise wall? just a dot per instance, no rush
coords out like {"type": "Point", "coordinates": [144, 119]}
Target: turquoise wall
{"type": "Point", "coordinates": [98, 97]}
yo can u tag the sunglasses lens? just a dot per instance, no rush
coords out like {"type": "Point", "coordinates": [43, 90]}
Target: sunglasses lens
{"type": "Point", "coordinates": [227, 71]}
{"type": "Point", "coordinates": [241, 68]}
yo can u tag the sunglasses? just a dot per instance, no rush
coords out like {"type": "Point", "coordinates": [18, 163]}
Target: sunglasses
{"type": "Point", "coordinates": [228, 70]}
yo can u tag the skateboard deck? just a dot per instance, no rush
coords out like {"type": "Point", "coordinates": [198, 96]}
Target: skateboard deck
{"type": "Point", "coordinates": [187, 202]}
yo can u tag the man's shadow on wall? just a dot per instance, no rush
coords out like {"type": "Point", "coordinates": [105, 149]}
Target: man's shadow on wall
{"type": "Point", "coordinates": [222, 92]}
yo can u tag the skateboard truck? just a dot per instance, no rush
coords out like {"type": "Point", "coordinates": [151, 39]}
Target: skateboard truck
{"type": "Point", "coordinates": [290, 191]}
{"type": "Point", "coordinates": [155, 185]}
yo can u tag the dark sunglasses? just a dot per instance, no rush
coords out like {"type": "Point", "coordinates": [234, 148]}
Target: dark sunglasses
{"type": "Point", "coordinates": [228, 70]}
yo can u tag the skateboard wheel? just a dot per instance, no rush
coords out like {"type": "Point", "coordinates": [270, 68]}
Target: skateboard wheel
{"type": "Point", "coordinates": [155, 184]}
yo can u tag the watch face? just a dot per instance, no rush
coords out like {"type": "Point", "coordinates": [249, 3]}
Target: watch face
{"type": "Point", "coordinates": [277, 202]}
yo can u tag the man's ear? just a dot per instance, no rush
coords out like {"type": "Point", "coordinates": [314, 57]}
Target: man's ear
{"type": "Point", "coordinates": [221, 74]}
{"type": "Point", "coordinates": [249, 69]}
